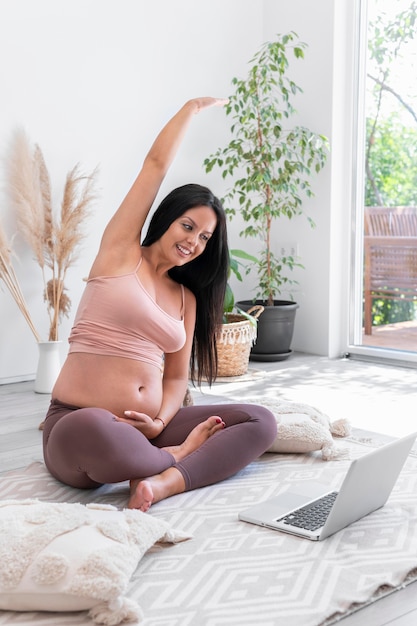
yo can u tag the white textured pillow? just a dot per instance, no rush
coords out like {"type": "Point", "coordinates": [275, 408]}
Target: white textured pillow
{"type": "Point", "coordinates": [74, 557]}
{"type": "Point", "coordinates": [302, 428]}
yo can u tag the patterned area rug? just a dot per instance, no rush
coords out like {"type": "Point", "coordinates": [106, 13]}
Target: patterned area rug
{"type": "Point", "coordinates": [232, 573]}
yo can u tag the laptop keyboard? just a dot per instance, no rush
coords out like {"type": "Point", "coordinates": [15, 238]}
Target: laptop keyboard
{"type": "Point", "coordinates": [313, 515]}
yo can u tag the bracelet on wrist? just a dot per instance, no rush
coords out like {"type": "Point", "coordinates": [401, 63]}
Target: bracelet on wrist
{"type": "Point", "coordinates": [161, 420]}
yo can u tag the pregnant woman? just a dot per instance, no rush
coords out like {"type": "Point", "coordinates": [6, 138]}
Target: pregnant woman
{"type": "Point", "coordinates": [146, 322]}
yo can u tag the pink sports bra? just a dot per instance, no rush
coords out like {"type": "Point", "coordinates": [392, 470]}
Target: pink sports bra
{"type": "Point", "coordinates": [118, 317]}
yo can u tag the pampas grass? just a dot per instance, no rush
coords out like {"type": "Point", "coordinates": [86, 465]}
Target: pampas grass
{"type": "Point", "coordinates": [8, 276]}
{"type": "Point", "coordinates": [54, 241]}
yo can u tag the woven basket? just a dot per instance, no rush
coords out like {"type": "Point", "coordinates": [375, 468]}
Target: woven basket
{"type": "Point", "coordinates": [235, 341]}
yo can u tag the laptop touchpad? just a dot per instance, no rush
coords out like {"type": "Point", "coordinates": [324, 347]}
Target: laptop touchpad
{"type": "Point", "coordinates": [297, 496]}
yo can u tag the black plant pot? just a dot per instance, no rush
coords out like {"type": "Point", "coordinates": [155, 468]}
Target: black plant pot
{"type": "Point", "coordinates": [275, 329]}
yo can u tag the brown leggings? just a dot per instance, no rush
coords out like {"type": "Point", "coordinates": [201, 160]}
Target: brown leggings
{"type": "Point", "coordinates": [88, 447]}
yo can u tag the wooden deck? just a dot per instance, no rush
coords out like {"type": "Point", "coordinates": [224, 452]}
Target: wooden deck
{"type": "Point", "coordinates": [400, 336]}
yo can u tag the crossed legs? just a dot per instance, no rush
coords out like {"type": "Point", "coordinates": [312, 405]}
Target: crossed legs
{"type": "Point", "coordinates": [200, 446]}
{"type": "Point", "coordinates": [244, 433]}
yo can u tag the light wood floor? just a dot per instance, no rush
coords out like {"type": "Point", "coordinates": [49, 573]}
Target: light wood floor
{"type": "Point", "coordinates": [373, 397]}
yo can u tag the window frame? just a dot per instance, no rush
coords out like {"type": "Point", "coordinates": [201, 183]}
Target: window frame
{"type": "Point", "coordinates": [355, 348]}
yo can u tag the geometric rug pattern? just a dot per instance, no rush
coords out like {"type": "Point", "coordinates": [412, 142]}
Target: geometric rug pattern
{"type": "Point", "coordinates": [235, 574]}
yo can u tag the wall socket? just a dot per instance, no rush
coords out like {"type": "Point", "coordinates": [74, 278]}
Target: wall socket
{"type": "Point", "coordinates": [288, 249]}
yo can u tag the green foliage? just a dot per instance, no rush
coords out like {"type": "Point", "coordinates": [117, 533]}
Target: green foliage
{"type": "Point", "coordinates": [234, 267]}
{"type": "Point", "coordinates": [391, 144]}
{"type": "Point", "coordinates": [270, 163]}
{"type": "Point", "coordinates": [392, 311]}
{"type": "Point", "coordinates": [391, 170]}
{"type": "Point", "coordinates": [393, 164]}
{"type": "Point", "coordinates": [388, 37]}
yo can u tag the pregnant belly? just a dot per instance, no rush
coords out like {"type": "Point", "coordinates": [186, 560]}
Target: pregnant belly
{"type": "Point", "coordinates": [116, 384]}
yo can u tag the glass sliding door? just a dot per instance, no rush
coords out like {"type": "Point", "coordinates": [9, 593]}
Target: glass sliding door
{"type": "Point", "coordinates": [384, 283]}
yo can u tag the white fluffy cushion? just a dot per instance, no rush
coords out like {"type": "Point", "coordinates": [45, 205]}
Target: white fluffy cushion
{"type": "Point", "coordinates": [72, 557]}
{"type": "Point", "coordinates": [302, 428]}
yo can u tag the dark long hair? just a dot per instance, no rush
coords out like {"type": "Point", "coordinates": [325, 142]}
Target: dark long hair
{"type": "Point", "coordinates": [205, 276]}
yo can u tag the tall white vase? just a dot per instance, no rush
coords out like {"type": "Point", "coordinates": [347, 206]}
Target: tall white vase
{"type": "Point", "coordinates": [49, 365]}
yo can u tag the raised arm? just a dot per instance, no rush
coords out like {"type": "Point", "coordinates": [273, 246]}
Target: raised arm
{"type": "Point", "coordinates": [124, 229]}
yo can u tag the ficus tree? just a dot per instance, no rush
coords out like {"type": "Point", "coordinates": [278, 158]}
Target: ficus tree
{"type": "Point", "coordinates": [269, 160]}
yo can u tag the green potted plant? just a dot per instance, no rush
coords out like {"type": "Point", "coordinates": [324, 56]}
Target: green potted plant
{"type": "Point", "coordinates": [271, 164]}
{"type": "Point", "coordinates": [239, 328]}
{"type": "Point", "coordinates": [235, 265]}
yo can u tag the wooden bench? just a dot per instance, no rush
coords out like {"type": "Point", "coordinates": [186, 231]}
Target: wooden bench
{"type": "Point", "coordinates": [390, 256]}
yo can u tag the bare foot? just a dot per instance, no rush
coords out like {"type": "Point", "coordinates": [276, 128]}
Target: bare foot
{"type": "Point", "coordinates": [197, 437]}
{"type": "Point", "coordinates": [143, 493]}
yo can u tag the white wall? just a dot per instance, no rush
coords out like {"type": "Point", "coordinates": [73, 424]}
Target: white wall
{"type": "Point", "coordinates": [313, 22]}
{"type": "Point", "coordinates": [326, 107]}
{"type": "Point", "coordinates": [92, 81]}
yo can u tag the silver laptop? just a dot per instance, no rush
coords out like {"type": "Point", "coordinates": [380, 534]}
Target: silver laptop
{"type": "Point", "coordinates": [310, 510]}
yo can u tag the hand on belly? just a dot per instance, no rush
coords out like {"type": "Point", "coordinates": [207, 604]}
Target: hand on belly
{"type": "Point", "coordinates": [143, 422]}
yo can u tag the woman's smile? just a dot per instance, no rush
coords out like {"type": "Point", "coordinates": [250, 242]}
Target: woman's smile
{"type": "Point", "coordinates": [193, 229]}
{"type": "Point", "coordinates": [185, 252]}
